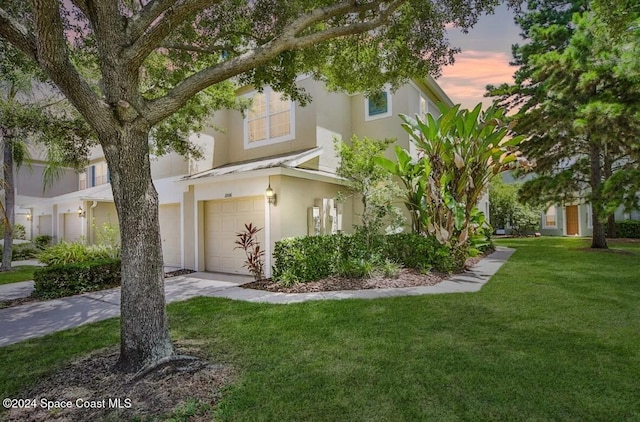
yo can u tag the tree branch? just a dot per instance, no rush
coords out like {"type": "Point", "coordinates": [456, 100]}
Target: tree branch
{"type": "Point", "coordinates": [150, 37]}
{"type": "Point", "coordinates": [163, 107]}
{"type": "Point", "coordinates": [17, 34]}
{"type": "Point", "coordinates": [139, 22]}
{"type": "Point", "coordinates": [185, 47]}
{"type": "Point", "coordinates": [53, 57]}
{"type": "Point", "coordinates": [82, 5]}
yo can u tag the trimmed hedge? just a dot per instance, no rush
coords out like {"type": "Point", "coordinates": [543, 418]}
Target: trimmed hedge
{"type": "Point", "coordinates": [629, 229]}
{"type": "Point", "coordinates": [72, 279]}
{"type": "Point", "coordinates": [311, 258]}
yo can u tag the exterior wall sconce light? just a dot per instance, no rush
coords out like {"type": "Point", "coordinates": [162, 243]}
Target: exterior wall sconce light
{"type": "Point", "coordinates": [81, 213]}
{"type": "Point", "coordinates": [29, 216]}
{"type": "Point", "coordinates": [270, 195]}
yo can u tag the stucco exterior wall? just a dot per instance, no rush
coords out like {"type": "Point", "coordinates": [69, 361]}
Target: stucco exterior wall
{"type": "Point", "coordinates": [104, 212]}
{"type": "Point", "coordinates": [304, 124]}
{"type": "Point", "coordinates": [29, 182]}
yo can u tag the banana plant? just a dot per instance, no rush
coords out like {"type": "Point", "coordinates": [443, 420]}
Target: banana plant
{"type": "Point", "coordinates": [464, 150]}
{"type": "Point", "coordinates": [411, 173]}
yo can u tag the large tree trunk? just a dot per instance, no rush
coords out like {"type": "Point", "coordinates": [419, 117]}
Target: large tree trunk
{"type": "Point", "coordinates": [611, 219]}
{"type": "Point", "coordinates": [144, 329]}
{"type": "Point", "coordinates": [598, 240]}
{"type": "Point", "coordinates": [9, 199]}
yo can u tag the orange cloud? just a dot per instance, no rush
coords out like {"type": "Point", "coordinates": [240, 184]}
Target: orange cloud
{"type": "Point", "coordinates": [465, 81]}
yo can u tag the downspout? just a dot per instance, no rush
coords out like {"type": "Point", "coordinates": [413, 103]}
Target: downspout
{"type": "Point", "coordinates": [90, 221]}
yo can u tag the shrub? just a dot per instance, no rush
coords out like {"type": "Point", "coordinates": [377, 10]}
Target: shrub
{"type": "Point", "coordinates": [19, 231]}
{"type": "Point", "coordinates": [306, 258]}
{"type": "Point", "coordinates": [24, 251]}
{"type": "Point", "coordinates": [355, 268]}
{"type": "Point", "coordinates": [311, 258]}
{"type": "Point", "coordinates": [72, 279]}
{"type": "Point", "coordinates": [628, 229]}
{"type": "Point", "coordinates": [21, 251]}
{"type": "Point", "coordinates": [42, 241]}
{"type": "Point", "coordinates": [64, 253]}
{"type": "Point", "coordinates": [71, 252]}
{"type": "Point", "coordinates": [390, 269]}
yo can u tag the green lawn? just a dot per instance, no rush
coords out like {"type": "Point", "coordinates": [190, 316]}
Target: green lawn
{"type": "Point", "coordinates": [555, 335]}
{"type": "Point", "coordinates": [16, 274]}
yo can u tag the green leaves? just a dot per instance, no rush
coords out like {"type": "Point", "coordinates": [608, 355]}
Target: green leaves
{"type": "Point", "coordinates": [459, 153]}
{"type": "Point", "coordinates": [368, 174]}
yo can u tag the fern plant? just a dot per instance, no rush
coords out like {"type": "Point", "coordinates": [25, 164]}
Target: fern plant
{"type": "Point", "coordinates": [248, 241]}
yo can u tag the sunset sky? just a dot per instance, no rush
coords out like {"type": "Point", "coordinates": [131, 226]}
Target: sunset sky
{"type": "Point", "coordinates": [485, 56]}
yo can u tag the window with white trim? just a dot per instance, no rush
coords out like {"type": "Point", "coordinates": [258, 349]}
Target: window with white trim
{"type": "Point", "coordinates": [101, 174]}
{"type": "Point", "coordinates": [423, 107]}
{"type": "Point", "coordinates": [550, 218]}
{"type": "Point", "coordinates": [378, 105]}
{"type": "Point", "coordinates": [270, 119]}
{"type": "Point", "coordinates": [94, 175]}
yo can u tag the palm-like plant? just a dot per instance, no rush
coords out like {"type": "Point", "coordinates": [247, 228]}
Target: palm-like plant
{"type": "Point", "coordinates": [458, 154]}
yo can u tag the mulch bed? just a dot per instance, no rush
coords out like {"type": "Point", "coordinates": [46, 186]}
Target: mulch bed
{"type": "Point", "coordinates": [406, 278]}
{"type": "Point", "coordinates": [92, 379]}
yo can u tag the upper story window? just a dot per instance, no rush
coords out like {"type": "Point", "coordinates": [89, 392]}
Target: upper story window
{"type": "Point", "coordinates": [378, 105]}
{"type": "Point", "coordinates": [94, 175]}
{"type": "Point", "coordinates": [270, 120]}
{"type": "Point", "coordinates": [550, 220]}
{"type": "Point", "coordinates": [101, 174]}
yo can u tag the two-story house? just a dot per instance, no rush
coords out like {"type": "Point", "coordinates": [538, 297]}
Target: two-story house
{"type": "Point", "coordinates": [273, 167]}
{"type": "Point", "coordinates": [572, 218]}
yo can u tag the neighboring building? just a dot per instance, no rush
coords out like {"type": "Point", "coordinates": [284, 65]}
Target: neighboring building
{"type": "Point", "coordinates": [572, 218]}
{"type": "Point", "coordinates": [277, 145]}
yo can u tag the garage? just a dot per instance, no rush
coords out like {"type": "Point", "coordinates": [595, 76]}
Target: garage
{"type": "Point", "coordinates": [72, 231]}
{"type": "Point", "coordinates": [223, 220]}
{"type": "Point", "coordinates": [44, 225]}
{"type": "Point", "coordinates": [170, 227]}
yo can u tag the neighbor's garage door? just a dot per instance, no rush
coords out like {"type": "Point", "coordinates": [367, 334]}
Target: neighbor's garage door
{"type": "Point", "coordinates": [44, 225]}
{"type": "Point", "coordinates": [170, 234]}
{"type": "Point", "coordinates": [72, 227]}
{"type": "Point", "coordinates": [223, 219]}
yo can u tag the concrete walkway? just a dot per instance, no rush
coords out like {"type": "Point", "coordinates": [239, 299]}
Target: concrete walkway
{"type": "Point", "coordinates": [40, 318]}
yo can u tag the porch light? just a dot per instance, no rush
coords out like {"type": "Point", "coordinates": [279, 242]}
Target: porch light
{"type": "Point", "coordinates": [270, 195]}
{"type": "Point", "coordinates": [29, 216]}
{"type": "Point", "coordinates": [81, 213]}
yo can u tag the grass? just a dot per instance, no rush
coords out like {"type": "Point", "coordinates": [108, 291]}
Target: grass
{"type": "Point", "coordinates": [553, 336]}
{"type": "Point", "coordinates": [20, 273]}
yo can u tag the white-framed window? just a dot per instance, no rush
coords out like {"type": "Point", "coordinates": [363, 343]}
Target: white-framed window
{"type": "Point", "coordinates": [270, 119]}
{"type": "Point", "coordinates": [378, 105]}
{"type": "Point", "coordinates": [550, 218]}
{"type": "Point", "coordinates": [101, 174]}
{"type": "Point", "coordinates": [94, 175]}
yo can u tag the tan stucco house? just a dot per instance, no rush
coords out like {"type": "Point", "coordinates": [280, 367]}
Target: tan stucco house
{"type": "Point", "coordinates": [277, 144]}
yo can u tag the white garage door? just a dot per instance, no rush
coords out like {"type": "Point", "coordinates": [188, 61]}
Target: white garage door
{"type": "Point", "coordinates": [44, 225]}
{"type": "Point", "coordinates": [223, 220]}
{"type": "Point", "coordinates": [170, 225]}
{"type": "Point", "coordinates": [72, 227]}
